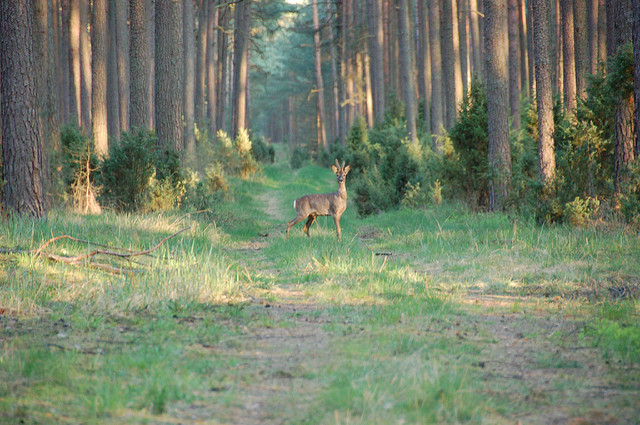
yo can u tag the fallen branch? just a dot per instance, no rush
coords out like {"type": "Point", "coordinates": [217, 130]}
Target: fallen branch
{"type": "Point", "coordinates": [78, 258]}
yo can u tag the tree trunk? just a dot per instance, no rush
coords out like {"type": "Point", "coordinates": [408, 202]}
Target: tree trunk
{"type": "Point", "coordinates": [201, 63]}
{"type": "Point", "coordinates": [581, 46]}
{"type": "Point", "coordinates": [544, 98]}
{"type": "Point", "coordinates": [189, 77]}
{"type": "Point", "coordinates": [376, 45]}
{"type": "Point", "coordinates": [524, 50]}
{"type": "Point", "coordinates": [223, 68]}
{"type": "Point", "coordinates": [463, 15]}
{"type": "Point", "coordinates": [85, 64]}
{"type": "Point", "coordinates": [496, 45]}
{"type": "Point", "coordinates": [241, 64]}
{"type": "Point", "coordinates": [321, 135]}
{"type": "Point", "coordinates": [212, 67]}
{"type": "Point", "coordinates": [619, 26]}
{"type": "Point", "coordinates": [514, 63]}
{"type": "Point", "coordinates": [334, 75]}
{"type": "Point", "coordinates": [437, 116]}
{"type": "Point", "coordinates": [406, 68]}
{"type": "Point", "coordinates": [41, 62]}
{"type": "Point", "coordinates": [74, 62]}
{"type": "Point", "coordinates": [151, 51]}
{"type": "Point", "coordinates": [636, 71]}
{"type": "Point", "coordinates": [99, 77]}
{"type": "Point", "coordinates": [424, 62]}
{"type": "Point", "coordinates": [602, 31]}
{"type": "Point", "coordinates": [113, 92]}
{"type": "Point", "coordinates": [451, 63]}
{"type": "Point", "coordinates": [568, 55]}
{"type": "Point", "coordinates": [593, 36]}
{"type": "Point", "coordinates": [168, 87]}
{"type": "Point", "coordinates": [22, 192]}
{"type": "Point", "coordinates": [122, 49]}
{"type": "Point", "coordinates": [476, 41]}
{"type": "Point", "coordinates": [139, 65]}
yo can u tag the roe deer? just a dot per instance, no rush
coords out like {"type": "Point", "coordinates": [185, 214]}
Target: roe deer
{"type": "Point", "coordinates": [333, 204]}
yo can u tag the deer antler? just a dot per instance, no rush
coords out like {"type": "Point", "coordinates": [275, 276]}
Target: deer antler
{"type": "Point", "coordinates": [337, 163]}
{"type": "Point", "coordinates": [343, 163]}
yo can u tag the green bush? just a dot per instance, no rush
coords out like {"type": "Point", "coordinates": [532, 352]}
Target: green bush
{"type": "Point", "coordinates": [138, 176]}
{"type": "Point", "coordinates": [387, 169]}
{"type": "Point", "coordinates": [262, 152]}
{"type": "Point", "coordinates": [470, 139]}
{"type": "Point", "coordinates": [79, 164]}
{"type": "Point", "coordinates": [298, 157]}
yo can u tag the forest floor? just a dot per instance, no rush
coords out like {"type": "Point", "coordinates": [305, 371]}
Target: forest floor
{"type": "Point", "coordinates": [435, 316]}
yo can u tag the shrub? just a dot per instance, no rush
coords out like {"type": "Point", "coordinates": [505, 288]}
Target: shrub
{"type": "Point", "coordinates": [125, 175]}
{"type": "Point", "coordinates": [470, 139]}
{"type": "Point", "coordinates": [262, 152]}
{"type": "Point", "coordinates": [298, 157]}
{"type": "Point", "coordinates": [79, 163]}
{"type": "Point", "coordinates": [138, 176]}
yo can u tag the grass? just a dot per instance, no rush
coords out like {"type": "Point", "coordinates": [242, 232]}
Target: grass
{"type": "Point", "coordinates": [438, 315]}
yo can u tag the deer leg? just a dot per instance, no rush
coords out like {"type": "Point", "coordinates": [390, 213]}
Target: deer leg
{"type": "Point", "coordinates": [336, 220]}
{"type": "Point", "coordinates": [310, 221]}
{"type": "Point", "coordinates": [293, 222]}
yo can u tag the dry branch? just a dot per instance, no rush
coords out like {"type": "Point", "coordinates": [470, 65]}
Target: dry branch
{"type": "Point", "coordinates": [122, 255]}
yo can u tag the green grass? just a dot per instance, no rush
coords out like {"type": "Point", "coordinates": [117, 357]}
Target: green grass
{"type": "Point", "coordinates": [437, 315]}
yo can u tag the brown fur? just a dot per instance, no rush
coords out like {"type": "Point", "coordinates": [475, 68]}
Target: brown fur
{"type": "Point", "coordinates": [333, 204]}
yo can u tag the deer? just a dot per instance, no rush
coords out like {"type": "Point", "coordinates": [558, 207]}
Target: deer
{"type": "Point", "coordinates": [333, 204]}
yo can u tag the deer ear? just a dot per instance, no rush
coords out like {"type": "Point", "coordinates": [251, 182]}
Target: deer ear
{"type": "Point", "coordinates": [334, 169]}
{"type": "Point", "coordinates": [346, 169]}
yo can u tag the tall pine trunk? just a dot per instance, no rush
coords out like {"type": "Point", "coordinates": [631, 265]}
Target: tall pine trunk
{"type": "Point", "coordinates": [406, 69]}
{"type": "Point", "coordinates": [241, 64]}
{"type": "Point", "coordinates": [212, 67]}
{"type": "Point", "coordinates": [544, 98]}
{"type": "Point", "coordinates": [188, 82]}
{"type": "Point", "coordinates": [168, 87]}
{"type": "Point", "coordinates": [497, 77]}
{"type": "Point", "coordinates": [22, 192]}
{"type": "Point", "coordinates": [320, 122]}
{"type": "Point", "coordinates": [99, 77]}
{"type": "Point", "coordinates": [139, 65]}
{"type": "Point", "coordinates": [568, 54]}
{"type": "Point", "coordinates": [437, 104]}
{"type": "Point", "coordinates": [514, 62]}
{"type": "Point", "coordinates": [376, 45]}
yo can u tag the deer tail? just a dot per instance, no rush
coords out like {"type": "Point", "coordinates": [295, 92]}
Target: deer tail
{"type": "Point", "coordinates": [294, 204]}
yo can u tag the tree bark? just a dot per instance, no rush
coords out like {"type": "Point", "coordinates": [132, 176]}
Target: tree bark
{"type": "Point", "coordinates": [636, 71]}
{"type": "Point", "coordinates": [406, 67]}
{"type": "Point", "coordinates": [201, 63]}
{"type": "Point", "coordinates": [514, 62]}
{"type": "Point", "coordinates": [544, 98]}
{"type": "Point", "coordinates": [568, 55]}
{"type": "Point", "coordinates": [212, 68]}
{"type": "Point", "coordinates": [139, 65]}
{"type": "Point", "coordinates": [376, 43]}
{"type": "Point", "coordinates": [122, 49]}
{"type": "Point", "coordinates": [424, 62]}
{"type": "Point", "coordinates": [321, 134]}
{"type": "Point", "coordinates": [169, 69]}
{"type": "Point", "coordinates": [241, 64]}
{"type": "Point", "coordinates": [451, 61]}
{"type": "Point", "coordinates": [496, 45]}
{"type": "Point", "coordinates": [476, 41]}
{"type": "Point", "coordinates": [619, 26]}
{"type": "Point", "coordinates": [113, 91]}
{"type": "Point", "coordinates": [75, 76]}
{"type": "Point", "coordinates": [581, 46]}
{"type": "Point", "coordinates": [437, 108]}
{"type": "Point", "coordinates": [85, 64]}
{"type": "Point", "coordinates": [21, 143]}
{"type": "Point", "coordinates": [335, 115]}
{"type": "Point", "coordinates": [99, 77]}
{"type": "Point", "coordinates": [189, 77]}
